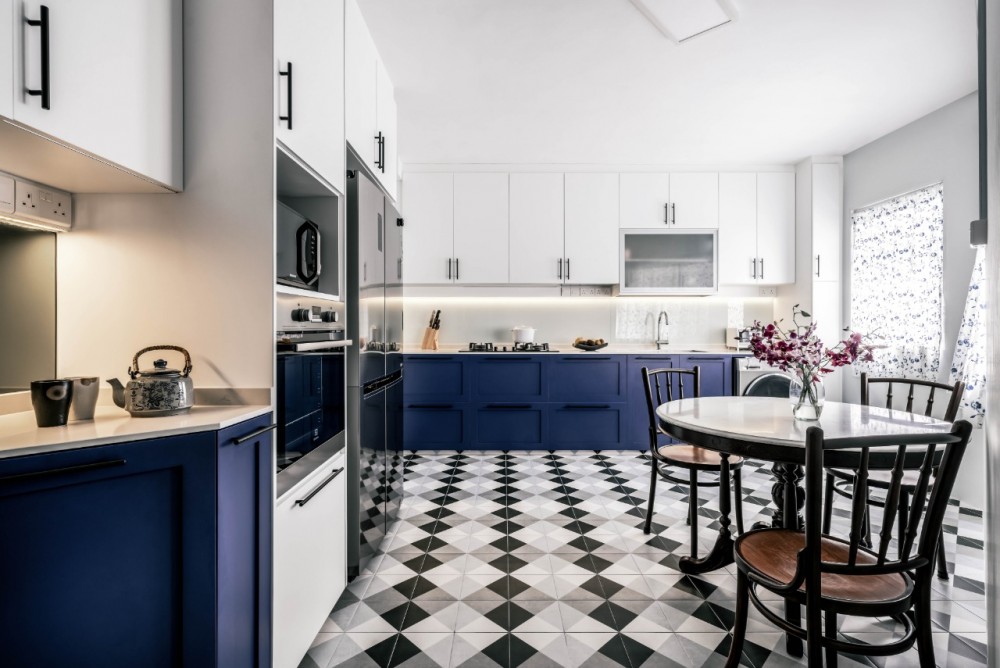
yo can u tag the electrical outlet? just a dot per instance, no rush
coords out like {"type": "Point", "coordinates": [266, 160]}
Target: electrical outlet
{"type": "Point", "coordinates": [43, 204]}
{"type": "Point", "coordinates": [769, 292]}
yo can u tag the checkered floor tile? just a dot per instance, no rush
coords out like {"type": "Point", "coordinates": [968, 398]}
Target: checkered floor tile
{"type": "Point", "coordinates": [531, 559]}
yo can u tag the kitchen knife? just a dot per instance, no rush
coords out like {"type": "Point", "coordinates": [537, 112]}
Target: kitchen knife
{"type": "Point", "coordinates": [437, 320]}
{"type": "Point", "coordinates": [431, 323]}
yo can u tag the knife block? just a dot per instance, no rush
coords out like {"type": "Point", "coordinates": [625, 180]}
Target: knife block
{"type": "Point", "coordinates": [430, 340]}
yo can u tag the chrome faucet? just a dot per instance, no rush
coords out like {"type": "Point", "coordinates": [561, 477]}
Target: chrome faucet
{"type": "Point", "coordinates": [662, 338]}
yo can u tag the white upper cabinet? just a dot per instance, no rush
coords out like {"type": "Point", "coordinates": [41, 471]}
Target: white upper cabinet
{"type": "Point", "coordinates": [360, 84]}
{"type": "Point", "coordinates": [644, 201]}
{"type": "Point", "coordinates": [694, 200]}
{"type": "Point", "coordinates": [776, 227]}
{"type": "Point", "coordinates": [113, 84]}
{"type": "Point", "coordinates": [738, 257]}
{"type": "Point", "coordinates": [536, 229]}
{"type": "Point", "coordinates": [370, 100]}
{"type": "Point", "coordinates": [688, 200]}
{"type": "Point", "coordinates": [591, 229]}
{"type": "Point", "coordinates": [386, 128]}
{"type": "Point", "coordinates": [756, 228]}
{"type": "Point", "coordinates": [827, 221]}
{"type": "Point", "coordinates": [481, 228]}
{"type": "Point", "coordinates": [428, 200]}
{"type": "Point", "coordinates": [7, 60]}
{"type": "Point", "coordinates": [310, 70]}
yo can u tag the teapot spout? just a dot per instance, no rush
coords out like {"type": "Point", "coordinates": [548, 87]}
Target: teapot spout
{"type": "Point", "coordinates": [119, 392]}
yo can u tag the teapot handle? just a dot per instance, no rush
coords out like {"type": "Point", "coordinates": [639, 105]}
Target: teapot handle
{"type": "Point", "coordinates": [134, 371]}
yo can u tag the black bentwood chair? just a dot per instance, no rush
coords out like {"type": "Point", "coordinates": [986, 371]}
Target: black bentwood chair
{"type": "Point", "coordinates": [838, 481]}
{"type": "Point", "coordinates": [833, 576]}
{"type": "Point", "coordinates": [661, 387]}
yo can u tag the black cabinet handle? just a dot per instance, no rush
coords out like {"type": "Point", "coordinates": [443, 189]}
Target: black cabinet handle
{"type": "Point", "coordinates": [673, 214]}
{"type": "Point", "coordinates": [79, 468]}
{"type": "Point", "coordinates": [380, 152]}
{"type": "Point", "coordinates": [567, 269]}
{"type": "Point", "coordinates": [254, 434]}
{"type": "Point", "coordinates": [560, 269]}
{"type": "Point", "coordinates": [456, 268]}
{"type": "Point", "coordinates": [506, 358]}
{"type": "Point", "coordinates": [585, 358]}
{"type": "Point", "coordinates": [817, 265]}
{"type": "Point", "coordinates": [508, 407]}
{"type": "Point", "coordinates": [587, 407]}
{"type": "Point", "coordinates": [753, 273]}
{"type": "Point", "coordinates": [762, 269]}
{"type": "Point", "coordinates": [432, 407]}
{"type": "Point", "coordinates": [287, 72]}
{"type": "Point", "coordinates": [42, 22]}
{"type": "Point", "coordinates": [318, 488]}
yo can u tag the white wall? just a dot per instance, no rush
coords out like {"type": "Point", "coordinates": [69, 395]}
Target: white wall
{"type": "Point", "coordinates": [940, 147]}
{"type": "Point", "coordinates": [193, 269]}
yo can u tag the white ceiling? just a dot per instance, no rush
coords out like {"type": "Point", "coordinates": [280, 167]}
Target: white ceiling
{"type": "Point", "coordinates": [592, 81]}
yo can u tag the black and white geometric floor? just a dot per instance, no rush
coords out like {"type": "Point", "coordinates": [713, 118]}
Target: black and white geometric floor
{"type": "Point", "coordinates": [538, 559]}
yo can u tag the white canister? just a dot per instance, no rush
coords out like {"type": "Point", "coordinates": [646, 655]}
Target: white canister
{"type": "Point", "coordinates": [523, 334]}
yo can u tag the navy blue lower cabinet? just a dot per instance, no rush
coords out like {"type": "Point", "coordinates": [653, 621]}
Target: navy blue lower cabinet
{"type": "Point", "coordinates": [638, 415]}
{"type": "Point", "coordinates": [435, 426]}
{"type": "Point", "coordinates": [716, 373]}
{"type": "Point", "coordinates": [436, 378]}
{"type": "Point", "coordinates": [587, 426]}
{"type": "Point", "coordinates": [510, 426]}
{"type": "Point", "coordinates": [586, 377]}
{"type": "Point", "coordinates": [508, 378]}
{"type": "Point", "coordinates": [108, 556]}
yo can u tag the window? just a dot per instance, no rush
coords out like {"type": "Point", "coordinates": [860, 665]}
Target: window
{"type": "Point", "coordinates": [897, 276]}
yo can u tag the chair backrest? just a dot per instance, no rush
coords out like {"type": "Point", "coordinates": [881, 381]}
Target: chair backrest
{"type": "Point", "coordinates": [663, 385]}
{"type": "Point", "coordinates": [915, 551]}
{"type": "Point", "coordinates": [953, 393]}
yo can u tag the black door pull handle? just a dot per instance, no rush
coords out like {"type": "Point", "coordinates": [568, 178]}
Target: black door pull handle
{"type": "Point", "coordinates": [79, 468]}
{"type": "Point", "coordinates": [318, 488]}
{"type": "Point", "coordinates": [42, 22]}
{"type": "Point", "coordinates": [254, 434]}
{"type": "Point", "coordinates": [287, 72]}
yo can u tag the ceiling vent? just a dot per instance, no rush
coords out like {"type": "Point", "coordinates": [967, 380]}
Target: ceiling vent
{"type": "Point", "coordinates": [680, 20]}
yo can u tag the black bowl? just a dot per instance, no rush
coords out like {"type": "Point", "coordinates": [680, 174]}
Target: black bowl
{"type": "Point", "coordinates": [584, 346]}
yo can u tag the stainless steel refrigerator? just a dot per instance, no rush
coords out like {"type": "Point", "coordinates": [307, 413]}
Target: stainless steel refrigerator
{"type": "Point", "coordinates": [375, 367]}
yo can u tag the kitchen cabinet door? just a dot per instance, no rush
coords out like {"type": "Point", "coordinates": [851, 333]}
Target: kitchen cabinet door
{"type": "Point", "coordinates": [124, 535]}
{"type": "Point", "coordinates": [586, 426]}
{"type": "Point", "coordinates": [827, 313]}
{"type": "Point", "coordinates": [592, 229]}
{"type": "Point", "coordinates": [644, 201]}
{"type": "Point", "coordinates": [481, 228]}
{"type": "Point", "coordinates": [776, 227]}
{"type": "Point", "coordinates": [386, 125]}
{"type": "Point", "coordinates": [509, 378]}
{"type": "Point", "coordinates": [536, 229]}
{"type": "Point", "coordinates": [510, 426]}
{"type": "Point", "coordinates": [694, 200]}
{"type": "Point", "coordinates": [716, 374]}
{"type": "Point", "coordinates": [360, 85]}
{"type": "Point", "coordinates": [308, 36]}
{"type": "Point", "coordinates": [114, 86]}
{"type": "Point", "coordinates": [428, 200]}
{"type": "Point", "coordinates": [7, 60]}
{"type": "Point", "coordinates": [587, 378]}
{"type": "Point", "coordinates": [738, 228]}
{"type": "Point", "coordinates": [435, 378]}
{"type": "Point", "coordinates": [310, 559]}
{"type": "Point", "coordinates": [828, 221]}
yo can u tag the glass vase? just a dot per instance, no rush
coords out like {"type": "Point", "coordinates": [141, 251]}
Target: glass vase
{"type": "Point", "coordinates": [807, 398]}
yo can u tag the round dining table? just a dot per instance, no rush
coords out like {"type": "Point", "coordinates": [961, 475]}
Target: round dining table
{"type": "Point", "coordinates": [763, 428]}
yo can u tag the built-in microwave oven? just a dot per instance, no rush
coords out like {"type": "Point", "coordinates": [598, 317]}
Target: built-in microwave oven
{"type": "Point", "coordinates": [666, 262]}
{"type": "Point", "coordinates": [298, 255]}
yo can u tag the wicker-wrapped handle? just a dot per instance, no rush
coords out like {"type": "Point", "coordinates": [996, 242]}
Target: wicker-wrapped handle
{"type": "Point", "coordinates": [134, 371]}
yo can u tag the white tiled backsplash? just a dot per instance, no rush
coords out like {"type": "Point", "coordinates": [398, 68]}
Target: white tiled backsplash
{"type": "Point", "coordinates": [693, 320]}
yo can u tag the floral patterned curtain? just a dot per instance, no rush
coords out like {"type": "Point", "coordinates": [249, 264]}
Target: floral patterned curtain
{"type": "Point", "coordinates": [897, 282]}
{"type": "Point", "coordinates": [969, 362]}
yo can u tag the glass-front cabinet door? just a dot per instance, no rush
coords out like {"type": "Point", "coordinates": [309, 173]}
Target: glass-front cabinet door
{"type": "Point", "coordinates": [669, 262]}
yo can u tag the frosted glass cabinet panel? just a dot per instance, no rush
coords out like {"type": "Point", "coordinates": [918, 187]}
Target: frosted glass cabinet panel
{"type": "Point", "coordinates": [669, 262]}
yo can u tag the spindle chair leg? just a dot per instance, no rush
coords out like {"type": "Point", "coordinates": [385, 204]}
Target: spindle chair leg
{"type": "Point", "coordinates": [904, 512]}
{"type": "Point", "coordinates": [922, 621]}
{"type": "Point", "coordinates": [942, 560]}
{"type": "Point", "coordinates": [828, 504]}
{"type": "Point", "coordinates": [740, 624]}
{"type": "Point", "coordinates": [831, 632]}
{"type": "Point", "coordinates": [693, 513]}
{"type": "Point", "coordinates": [738, 493]}
{"type": "Point", "coordinates": [652, 495]}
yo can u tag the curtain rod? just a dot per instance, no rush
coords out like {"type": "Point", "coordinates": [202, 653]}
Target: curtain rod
{"type": "Point", "coordinates": [939, 184]}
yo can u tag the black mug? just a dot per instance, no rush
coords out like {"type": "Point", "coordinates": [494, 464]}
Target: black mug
{"type": "Point", "coordinates": [51, 400]}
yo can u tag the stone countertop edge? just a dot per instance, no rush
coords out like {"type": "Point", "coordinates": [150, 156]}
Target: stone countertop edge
{"type": "Point", "coordinates": [20, 435]}
{"type": "Point", "coordinates": [611, 349]}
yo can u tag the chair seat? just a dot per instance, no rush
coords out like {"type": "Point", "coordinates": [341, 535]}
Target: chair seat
{"type": "Point", "coordinates": [773, 554]}
{"type": "Point", "coordinates": [693, 457]}
{"type": "Point", "coordinates": [880, 478]}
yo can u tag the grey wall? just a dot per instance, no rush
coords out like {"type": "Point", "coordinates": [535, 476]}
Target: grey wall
{"type": "Point", "coordinates": [940, 147]}
{"type": "Point", "coordinates": [28, 307]}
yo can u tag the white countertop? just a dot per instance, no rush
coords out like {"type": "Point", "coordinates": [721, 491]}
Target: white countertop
{"type": "Point", "coordinates": [611, 349]}
{"type": "Point", "coordinates": [19, 434]}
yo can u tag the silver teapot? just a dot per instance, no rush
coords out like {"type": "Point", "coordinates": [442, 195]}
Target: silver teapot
{"type": "Point", "coordinates": [158, 391]}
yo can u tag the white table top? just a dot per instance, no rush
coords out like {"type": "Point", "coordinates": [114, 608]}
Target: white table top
{"type": "Point", "coordinates": [769, 420]}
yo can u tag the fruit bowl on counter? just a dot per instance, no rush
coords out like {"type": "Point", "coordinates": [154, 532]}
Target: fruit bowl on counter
{"type": "Point", "coordinates": [589, 345]}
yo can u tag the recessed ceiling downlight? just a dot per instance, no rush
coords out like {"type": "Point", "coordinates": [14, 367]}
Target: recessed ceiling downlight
{"type": "Point", "coordinates": [680, 20]}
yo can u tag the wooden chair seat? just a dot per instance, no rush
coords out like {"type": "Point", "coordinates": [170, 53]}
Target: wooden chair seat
{"type": "Point", "coordinates": [773, 554]}
{"type": "Point", "coordinates": [693, 457]}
